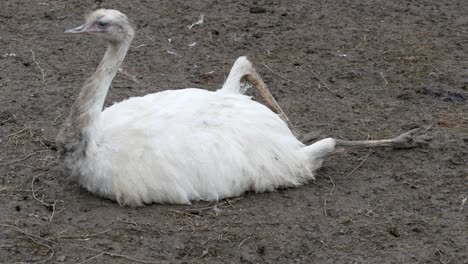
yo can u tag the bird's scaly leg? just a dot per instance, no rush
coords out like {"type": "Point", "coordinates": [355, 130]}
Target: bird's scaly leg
{"type": "Point", "coordinates": [254, 78]}
{"type": "Point", "coordinates": [406, 140]}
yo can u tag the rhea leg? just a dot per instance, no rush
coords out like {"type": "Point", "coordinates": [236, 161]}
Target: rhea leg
{"type": "Point", "coordinates": [243, 70]}
{"type": "Point", "coordinates": [254, 78]}
{"type": "Point", "coordinates": [406, 140]}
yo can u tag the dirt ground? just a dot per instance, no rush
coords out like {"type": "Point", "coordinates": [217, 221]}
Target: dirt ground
{"type": "Point", "coordinates": [348, 69]}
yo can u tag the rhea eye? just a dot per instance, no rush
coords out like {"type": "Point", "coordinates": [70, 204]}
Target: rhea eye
{"type": "Point", "coordinates": [103, 25]}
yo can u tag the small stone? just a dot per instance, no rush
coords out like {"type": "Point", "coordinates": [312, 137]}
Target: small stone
{"type": "Point", "coordinates": [61, 258]}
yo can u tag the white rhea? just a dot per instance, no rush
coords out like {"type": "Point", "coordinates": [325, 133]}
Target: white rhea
{"type": "Point", "coordinates": [186, 145]}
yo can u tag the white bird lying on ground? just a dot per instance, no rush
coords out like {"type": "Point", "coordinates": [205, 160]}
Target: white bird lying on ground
{"type": "Point", "coordinates": [186, 145]}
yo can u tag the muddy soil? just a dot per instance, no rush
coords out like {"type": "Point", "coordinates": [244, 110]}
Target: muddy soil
{"type": "Point", "coordinates": [348, 69]}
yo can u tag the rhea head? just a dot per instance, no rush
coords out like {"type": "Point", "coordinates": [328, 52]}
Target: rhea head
{"type": "Point", "coordinates": [108, 24]}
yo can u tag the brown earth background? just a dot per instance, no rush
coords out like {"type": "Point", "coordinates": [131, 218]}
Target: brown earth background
{"type": "Point", "coordinates": [348, 69]}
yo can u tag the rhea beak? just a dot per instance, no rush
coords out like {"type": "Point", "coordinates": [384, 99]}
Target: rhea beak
{"type": "Point", "coordinates": [77, 30]}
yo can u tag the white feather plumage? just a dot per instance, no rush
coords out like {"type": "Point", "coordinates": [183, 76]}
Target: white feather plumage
{"type": "Point", "coordinates": [186, 145]}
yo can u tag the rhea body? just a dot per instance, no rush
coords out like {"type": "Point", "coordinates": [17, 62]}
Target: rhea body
{"type": "Point", "coordinates": [178, 146]}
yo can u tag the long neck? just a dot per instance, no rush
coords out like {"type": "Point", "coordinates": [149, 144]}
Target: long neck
{"type": "Point", "coordinates": [87, 108]}
{"type": "Point", "coordinates": [85, 113]}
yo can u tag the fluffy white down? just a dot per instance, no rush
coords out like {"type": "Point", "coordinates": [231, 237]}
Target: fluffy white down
{"type": "Point", "coordinates": [186, 145]}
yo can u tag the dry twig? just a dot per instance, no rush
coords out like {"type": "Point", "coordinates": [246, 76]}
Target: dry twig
{"type": "Point", "coordinates": [325, 85]}
{"type": "Point", "coordinates": [325, 207]}
{"type": "Point", "coordinates": [50, 206]}
{"type": "Point", "coordinates": [213, 206]}
{"type": "Point", "coordinates": [196, 212]}
{"type": "Point", "coordinates": [182, 213]}
{"type": "Point", "coordinates": [38, 66]}
{"type": "Point", "coordinates": [243, 241]}
{"type": "Point", "coordinates": [18, 132]}
{"type": "Point", "coordinates": [22, 159]}
{"type": "Point", "coordinates": [333, 184]}
{"type": "Point", "coordinates": [56, 119]}
{"type": "Point", "coordinates": [359, 165]}
{"type": "Point", "coordinates": [91, 258]}
{"type": "Point", "coordinates": [329, 194]}
{"type": "Point", "coordinates": [282, 77]}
